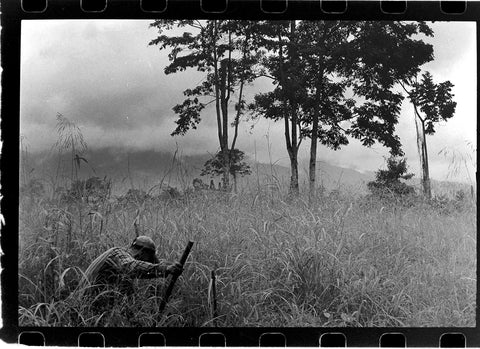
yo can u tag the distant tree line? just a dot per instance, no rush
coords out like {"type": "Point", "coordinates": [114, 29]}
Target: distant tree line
{"type": "Point", "coordinates": [332, 81]}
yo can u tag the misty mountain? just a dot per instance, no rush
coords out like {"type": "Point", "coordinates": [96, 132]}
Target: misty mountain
{"type": "Point", "coordinates": [146, 168]}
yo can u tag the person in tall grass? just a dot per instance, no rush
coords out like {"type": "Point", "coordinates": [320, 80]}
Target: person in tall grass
{"type": "Point", "coordinates": [110, 276]}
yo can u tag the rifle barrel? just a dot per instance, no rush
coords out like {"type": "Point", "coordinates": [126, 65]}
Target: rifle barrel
{"type": "Point", "coordinates": [174, 278]}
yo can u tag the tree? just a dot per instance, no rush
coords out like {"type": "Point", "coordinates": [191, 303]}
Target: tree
{"type": "Point", "coordinates": [316, 64]}
{"type": "Point", "coordinates": [387, 182]}
{"type": "Point", "coordinates": [237, 165]}
{"type": "Point", "coordinates": [431, 103]}
{"type": "Point", "coordinates": [387, 54]}
{"type": "Point", "coordinates": [383, 54]}
{"type": "Point", "coordinates": [225, 52]}
{"type": "Point", "coordinates": [281, 63]}
{"type": "Point", "coordinates": [326, 104]}
{"type": "Point", "coordinates": [313, 67]}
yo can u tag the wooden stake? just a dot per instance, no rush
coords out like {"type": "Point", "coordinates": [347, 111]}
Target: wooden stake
{"type": "Point", "coordinates": [213, 298]}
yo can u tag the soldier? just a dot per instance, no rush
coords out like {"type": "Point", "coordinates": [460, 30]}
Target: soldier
{"type": "Point", "coordinates": [115, 269]}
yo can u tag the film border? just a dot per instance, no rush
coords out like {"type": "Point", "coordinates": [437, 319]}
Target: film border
{"type": "Point", "coordinates": [12, 15]}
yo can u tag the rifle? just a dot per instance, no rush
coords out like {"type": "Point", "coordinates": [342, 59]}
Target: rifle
{"type": "Point", "coordinates": [174, 278]}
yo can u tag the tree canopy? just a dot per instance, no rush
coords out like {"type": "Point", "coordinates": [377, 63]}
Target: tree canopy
{"type": "Point", "coordinates": [433, 102]}
{"type": "Point", "coordinates": [225, 51]}
{"type": "Point", "coordinates": [332, 80]}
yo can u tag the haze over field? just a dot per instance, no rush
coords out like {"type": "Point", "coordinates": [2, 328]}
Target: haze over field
{"type": "Point", "coordinates": [143, 169]}
{"type": "Point", "coordinates": [108, 80]}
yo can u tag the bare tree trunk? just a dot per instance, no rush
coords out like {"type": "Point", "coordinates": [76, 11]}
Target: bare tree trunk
{"type": "Point", "coordinates": [426, 172]}
{"type": "Point", "coordinates": [217, 89]}
{"type": "Point", "coordinates": [314, 140]}
{"type": "Point", "coordinates": [221, 103]}
{"type": "Point", "coordinates": [292, 150]}
{"type": "Point", "coordinates": [315, 120]}
{"type": "Point", "coordinates": [224, 110]}
{"type": "Point", "coordinates": [294, 155]}
{"type": "Point", "coordinates": [290, 117]}
{"type": "Point", "coordinates": [294, 143]}
{"type": "Point", "coordinates": [294, 189]}
{"type": "Point", "coordinates": [313, 158]}
{"type": "Point", "coordinates": [423, 155]}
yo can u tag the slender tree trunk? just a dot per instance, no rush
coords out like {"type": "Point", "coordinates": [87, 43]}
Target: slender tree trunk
{"type": "Point", "coordinates": [220, 104]}
{"type": "Point", "coordinates": [295, 144]}
{"type": "Point", "coordinates": [292, 52]}
{"type": "Point", "coordinates": [294, 189]}
{"type": "Point", "coordinates": [294, 155]}
{"type": "Point", "coordinates": [224, 100]}
{"type": "Point", "coordinates": [224, 110]}
{"type": "Point", "coordinates": [314, 140]}
{"type": "Point", "coordinates": [313, 158]}
{"type": "Point", "coordinates": [315, 120]}
{"type": "Point", "coordinates": [237, 116]}
{"type": "Point", "coordinates": [426, 172]}
{"type": "Point", "coordinates": [423, 155]}
{"type": "Point", "coordinates": [290, 116]}
{"type": "Point", "coordinates": [217, 89]}
{"type": "Point", "coordinates": [292, 150]}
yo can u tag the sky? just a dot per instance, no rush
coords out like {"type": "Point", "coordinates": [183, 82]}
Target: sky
{"type": "Point", "coordinates": [104, 76]}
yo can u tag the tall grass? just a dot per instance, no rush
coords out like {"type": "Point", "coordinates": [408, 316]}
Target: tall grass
{"type": "Point", "coordinates": [342, 261]}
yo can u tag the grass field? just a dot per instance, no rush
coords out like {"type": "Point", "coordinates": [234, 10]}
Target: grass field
{"type": "Point", "coordinates": [341, 261]}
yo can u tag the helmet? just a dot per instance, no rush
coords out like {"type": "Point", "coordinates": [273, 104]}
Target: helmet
{"type": "Point", "coordinates": [144, 242]}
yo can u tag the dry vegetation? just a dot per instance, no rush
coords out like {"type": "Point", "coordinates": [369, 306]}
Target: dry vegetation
{"type": "Point", "coordinates": [342, 261]}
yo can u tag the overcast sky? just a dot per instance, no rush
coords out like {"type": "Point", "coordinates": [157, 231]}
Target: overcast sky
{"type": "Point", "coordinates": [104, 76]}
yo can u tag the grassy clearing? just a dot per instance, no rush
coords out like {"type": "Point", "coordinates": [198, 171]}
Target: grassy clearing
{"type": "Point", "coordinates": [343, 261]}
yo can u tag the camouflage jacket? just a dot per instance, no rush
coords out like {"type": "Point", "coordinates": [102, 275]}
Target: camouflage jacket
{"type": "Point", "coordinates": [116, 266]}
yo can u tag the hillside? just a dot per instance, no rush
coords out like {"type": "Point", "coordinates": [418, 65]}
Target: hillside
{"type": "Point", "coordinates": [145, 168]}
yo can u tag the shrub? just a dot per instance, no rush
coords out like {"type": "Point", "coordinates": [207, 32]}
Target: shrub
{"type": "Point", "coordinates": [91, 189]}
{"type": "Point", "coordinates": [388, 182]}
{"type": "Point", "coordinates": [135, 195]}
